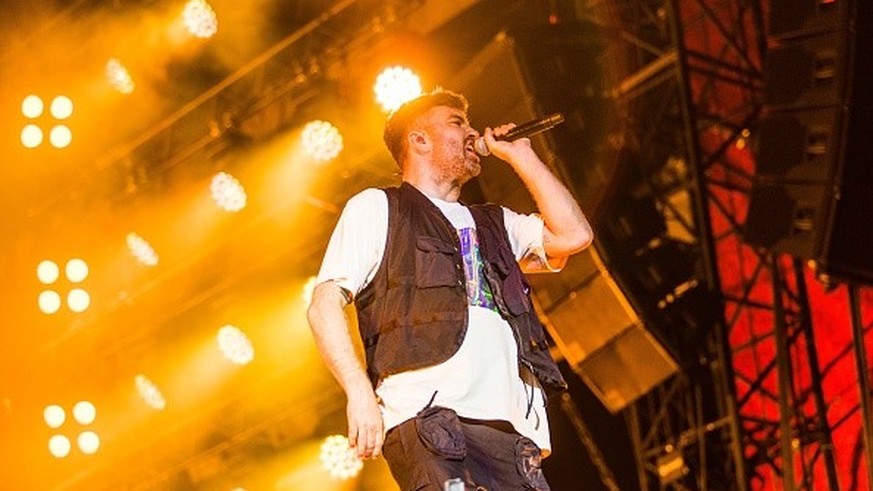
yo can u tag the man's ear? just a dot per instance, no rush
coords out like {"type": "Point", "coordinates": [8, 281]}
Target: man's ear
{"type": "Point", "coordinates": [419, 141]}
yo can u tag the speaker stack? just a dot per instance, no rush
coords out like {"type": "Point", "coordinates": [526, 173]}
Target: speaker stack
{"type": "Point", "coordinates": [814, 144]}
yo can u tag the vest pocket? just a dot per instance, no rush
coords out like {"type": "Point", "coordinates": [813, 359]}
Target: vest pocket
{"type": "Point", "coordinates": [435, 263]}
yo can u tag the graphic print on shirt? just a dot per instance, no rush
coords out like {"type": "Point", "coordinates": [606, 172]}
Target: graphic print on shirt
{"type": "Point", "coordinates": [478, 291]}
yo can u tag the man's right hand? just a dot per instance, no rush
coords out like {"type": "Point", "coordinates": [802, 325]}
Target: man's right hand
{"type": "Point", "coordinates": [366, 429]}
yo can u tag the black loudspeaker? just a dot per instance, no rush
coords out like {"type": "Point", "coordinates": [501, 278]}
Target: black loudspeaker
{"type": "Point", "coordinates": [814, 145]}
{"type": "Point", "coordinates": [524, 74]}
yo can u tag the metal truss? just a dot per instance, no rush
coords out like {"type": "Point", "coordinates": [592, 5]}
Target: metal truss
{"type": "Point", "coordinates": [764, 411]}
{"type": "Point", "coordinates": [272, 85]}
{"type": "Point", "coordinates": [686, 433]}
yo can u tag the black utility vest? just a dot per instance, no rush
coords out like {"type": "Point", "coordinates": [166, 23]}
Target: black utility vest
{"type": "Point", "coordinates": [413, 313]}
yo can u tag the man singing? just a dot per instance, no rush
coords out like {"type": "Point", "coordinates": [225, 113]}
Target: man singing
{"type": "Point", "coordinates": [456, 359]}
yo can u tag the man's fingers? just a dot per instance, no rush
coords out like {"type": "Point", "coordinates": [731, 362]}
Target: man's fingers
{"type": "Point", "coordinates": [369, 441]}
{"type": "Point", "coordinates": [380, 439]}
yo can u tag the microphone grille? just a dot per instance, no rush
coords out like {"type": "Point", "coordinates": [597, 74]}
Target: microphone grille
{"type": "Point", "coordinates": [481, 147]}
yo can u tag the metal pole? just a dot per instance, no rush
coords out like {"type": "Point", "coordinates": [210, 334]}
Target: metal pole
{"type": "Point", "coordinates": [784, 377]}
{"type": "Point", "coordinates": [863, 375]}
{"type": "Point", "coordinates": [587, 439]}
{"type": "Point", "coordinates": [633, 426]}
{"type": "Point", "coordinates": [723, 373]}
{"type": "Point", "coordinates": [826, 443]}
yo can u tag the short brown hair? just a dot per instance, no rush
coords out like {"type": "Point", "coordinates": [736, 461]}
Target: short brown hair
{"type": "Point", "coordinates": [401, 120]}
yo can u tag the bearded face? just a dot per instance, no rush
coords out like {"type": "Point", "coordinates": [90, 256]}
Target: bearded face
{"type": "Point", "coordinates": [454, 158]}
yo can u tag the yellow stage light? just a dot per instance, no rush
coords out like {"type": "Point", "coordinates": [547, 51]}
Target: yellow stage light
{"type": "Point", "coordinates": [76, 270]}
{"type": "Point", "coordinates": [339, 459]}
{"type": "Point", "coordinates": [78, 300]}
{"type": "Point", "coordinates": [142, 250]}
{"type": "Point", "coordinates": [32, 107]}
{"type": "Point", "coordinates": [84, 412]}
{"type": "Point", "coordinates": [47, 272]}
{"type": "Point", "coordinates": [322, 140]}
{"type": "Point", "coordinates": [31, 136]}
{"type": "Point", "coordinates": [60, 136]}
{"type": "Point", "coordinates": [395, 86]}
{"type": "Point", "coordinates": [150, 393]}
{"type": "Point", "coordinates": [59, 446]}
{"type": "Point", "coordinates": [228, 192]}
{"type": "Point", "coordinates": [49, 302]}
{"type": "Point", "coordinates": [200, 19]}
{"type": "Point", "coordinates": [118, 76]}
{"type": "Point", "coordinates": [88, 442]}
{"type": "Point", "coordinates": [235, 345]}
{"type": "Point", "coordinates": [62, 107]}
{"type": "Point", "coordinates": [54, 416]}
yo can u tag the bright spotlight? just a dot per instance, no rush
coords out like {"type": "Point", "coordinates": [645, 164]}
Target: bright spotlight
{"type": "Point", "coordinates": [32, 107]}
{"type": "Point", "coordinates": [235, 345]}
{"type": "Point", "coordinates": [150, 393]}
{"type": "Point", "coordinates": [78, 300]}
{"type": "Point", "coordinates": [340, 459]}
{"type": "Point", "coordinates": [31, 136]}
{"type": "Point", "coordinates": [322, 140]}
{"type": "Point", "coordinates": [76, 270]}
{"type": "Point", "coordinates": [84, 412]}
{"type": "Point", "coordinates": [200, 19]}
{"type": "Point", "coordinates": [61, 107]}
{"type": "Point", "coordinates": [59, 446]}
{"type": "Point", "coordinates": [60, 136]}
{"type": "Point", "coordinates": [47, 272]}
{"type": "Point", "coordinates": [227, 192]}
{"type": "Point", "coordinates": [118, 76]}
{"type": "Point", "coordinates": [54, 416]}
{"type": "Point", "coordinates": [141, 250]}
{"type": "Point", "coordinates": [88, 442]}
{"type": "Point", "coordinates": [395, 86]}
{"type": "Point", "coordinates": [49, 302]}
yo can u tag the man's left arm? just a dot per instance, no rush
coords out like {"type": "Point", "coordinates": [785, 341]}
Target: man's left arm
{"type": "Point", "coordinates": [566, 229]}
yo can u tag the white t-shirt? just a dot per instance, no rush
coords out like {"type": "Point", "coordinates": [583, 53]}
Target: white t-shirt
{"type": "Point", "coordinates": [481, 380]}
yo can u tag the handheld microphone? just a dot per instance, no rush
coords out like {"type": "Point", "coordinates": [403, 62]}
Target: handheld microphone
{"type": "Point", "coordinates": [521, 131]}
